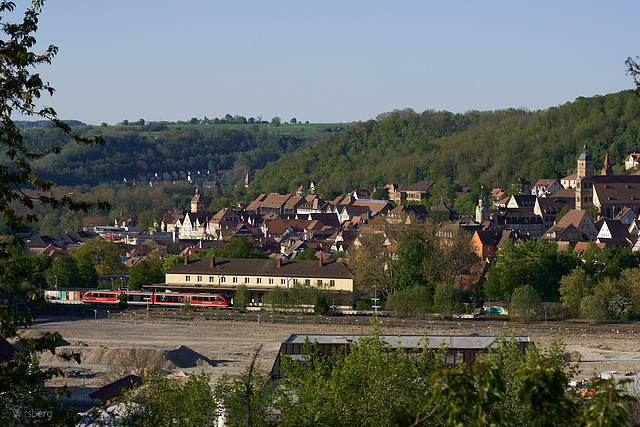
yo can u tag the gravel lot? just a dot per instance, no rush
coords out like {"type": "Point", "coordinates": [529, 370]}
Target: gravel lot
{"type": "Point", "coordinates": [218, 345]}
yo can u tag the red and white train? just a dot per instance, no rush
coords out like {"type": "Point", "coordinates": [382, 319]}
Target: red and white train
{"type": "Point", "coordinates": [169, 299]}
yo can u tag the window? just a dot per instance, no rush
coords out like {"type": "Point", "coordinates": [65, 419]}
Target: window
{"type": "Point", "coordinates": [319, 282]}
{"type": "Point", "coordinates": [283, 282]}
{"type": "Point", "coordinates": [211, 279]}
{"type": "Point", "coordinates": [223, 279]}
{"type": "Point", "coordinates": [235, 280]}
{"type": "Point", "coordinates": [332, 283]}
{"type": "Point", "coordinates": [246, 280]}
{"type": "Point", "coordinates": [199, 279]}
{"type": "Point", "coordinates": [271, 281]}
{"type": "Point", "coordinates": [187, 279]}
{"type": "Point", "coordinates": [259, 280]}
{"type": "Point", "coordinates": [307, 282]}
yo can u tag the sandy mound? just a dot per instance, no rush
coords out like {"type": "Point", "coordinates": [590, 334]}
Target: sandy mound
{"type": "Point", "coordinates": [136, 358]}
{"type": "Point", "coordinates": [184, 357]}
{"type": "Point", "coordinates": [38, 334]}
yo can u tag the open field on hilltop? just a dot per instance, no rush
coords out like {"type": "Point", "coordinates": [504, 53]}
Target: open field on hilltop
{"type": "Point", "coordinates": [219, 345]}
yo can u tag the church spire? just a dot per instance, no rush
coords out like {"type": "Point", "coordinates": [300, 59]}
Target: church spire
{"type": "Point", "coordinates": [606, 169]}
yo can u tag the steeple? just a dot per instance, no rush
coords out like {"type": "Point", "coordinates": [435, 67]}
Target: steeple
{"type": "Point", "coordinates": [606, 169]}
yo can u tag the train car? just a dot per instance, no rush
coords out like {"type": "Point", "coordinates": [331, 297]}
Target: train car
{"type": "Point", "coordinates": [196, 300]}
{"type": "Point", "coordinates": [163, 299]}
{"type": "Point", "coordinates": [100, 297]}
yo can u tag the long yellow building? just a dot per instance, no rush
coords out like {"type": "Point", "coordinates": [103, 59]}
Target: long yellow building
{"type": "Point", "coordinates": [224, 275]}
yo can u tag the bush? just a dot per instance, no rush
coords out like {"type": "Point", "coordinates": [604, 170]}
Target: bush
{"type": "Point", "coordinates": [122, 300]}
{"type": "Point", "coordinates": [364, 304]}
{"type": "Point", "coordinates": [593, 309]}
{"type": "Point", "coordinates": [186, 304]}
{"type": "Point", "coordinates": [525, 304]}
{"type": "Point", "coordinates": [446, 300]}
{"type": "Point", "coordinates": [277, 298]}
{"type": "Point", "coordinates": [241, 298]}
{"type": "Point", "coordinates": [414, 300]}
{"type": "Point", "coordinates": [321, 307]}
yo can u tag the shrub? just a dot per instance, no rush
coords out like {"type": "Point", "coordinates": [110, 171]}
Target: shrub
{"type": "Point", "coordinates": [241, 298]}
{"type": "Point", "coordinates": [593, 309]}
{"type": "Point", "coordinates": [525, 304]}
{"type": "Point", "coordinates": [321, 307]}
{"type": "Point", "coordinates": [446, 300]}
{"type": "Point", "coordinates": [277, 298]}
{"type": "Point", "coordinates": [416, 300]}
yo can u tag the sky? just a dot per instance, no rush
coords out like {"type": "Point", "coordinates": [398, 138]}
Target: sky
{"type": "Point", "coordinates": [329, 61]}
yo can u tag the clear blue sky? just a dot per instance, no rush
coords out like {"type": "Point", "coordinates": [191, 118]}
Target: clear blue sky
{"type": "Point", "coordinates": [330, 61]}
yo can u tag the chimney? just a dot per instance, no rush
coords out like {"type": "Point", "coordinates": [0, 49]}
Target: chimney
{"type": "Point", "coordinates": [320, 260]}
{"type": "Point", "coordinates": [278, 262]}
{"type": "Point", "coordinates": [186, 259]}
{"type": "Point", "coordinates": [212, 261]}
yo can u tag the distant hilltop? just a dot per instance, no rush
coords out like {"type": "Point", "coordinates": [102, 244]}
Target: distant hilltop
{"type": "Point", "coordinates": [25, 124]}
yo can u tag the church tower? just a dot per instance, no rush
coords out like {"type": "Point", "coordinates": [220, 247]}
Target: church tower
{"type": "Point", "coordinates": [584, 181]}
{"type": "Point", "coordinates": [482, 214]}
{"type": "Point", "coordinates": [197, 203]}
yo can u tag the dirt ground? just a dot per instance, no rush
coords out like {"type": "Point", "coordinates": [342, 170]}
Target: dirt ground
{"type": "Point", "coordinates": [222, 346]}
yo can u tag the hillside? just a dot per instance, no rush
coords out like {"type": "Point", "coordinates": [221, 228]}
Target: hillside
{"type": "Point", "coordinates": [476, 148]}
{"type": "Point", "coordinates": [149, 149]}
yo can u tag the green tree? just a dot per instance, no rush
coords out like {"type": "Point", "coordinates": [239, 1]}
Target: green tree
{"type": "Point", "coordinates": [565, 210]}
{"type": "Point", "coordinates": [380, 193]}
{"type": "Point", "coordinates": [105, 256]}
{"type": "Point", "coordinates": [239, 247]}
{"type": "Point", "coordinates": [373, 258]}
{"type": "Point", "coordinates": [536, 263]}
{"type": "Point", "coordinates": [37, 268]}
{"type": "Point", "coordinates": [172, 261]}
{"type": "Point", "coordinates": [146, 272]}
{"type": "Point", "coordinates": [277, 298]}
{"type": "Point", "coordinates": [573, 288]}
{"type": "Point", "coordinates": [275, 121]}
{"type": "Point", "coordinates": [86, 270]}
{"type": "Point", "coordinates": [231, 397]}
{"type": "Point", "coordinates": [416, 301]}
{"type": "Point", "coordinates": [164, 401]}
{"type": "Point", "coordinates": [64, 273]}
{"type": "Point", "coordinates": [355, 387]}
{"type": "Point", "coordinates": [309, 254]}
{"type": "Point", "coordinates": [593, 309]}
{"type": "Point", "coordinates": [446, 300]}
{"type": "Point", "coordinates": [321, 307]}
{"type": "Point", "coordinates": [242, 298]}
{"type": "Point", "coordinates": [21, 380]}
{"type": "Point", "coordinates": [413, 252]}
{"type": "Point", "coordinates": [525, 304]}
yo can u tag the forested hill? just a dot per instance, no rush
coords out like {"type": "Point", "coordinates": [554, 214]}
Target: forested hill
{"type": "Point", "coordinates": [150, 149]}
{"type": "Point", "coordinates": [476, 148]}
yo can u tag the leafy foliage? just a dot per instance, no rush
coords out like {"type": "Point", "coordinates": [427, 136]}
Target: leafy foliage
{"type": "Point", "coordinates": [239, 247]}
{"type": "Point", "coordinates": [490, 147]}
{"type": "Point", "coordinates": [534, 263]}
{"type": "Point", "coordinates": [163, 401]}
{"type": "Point", "coordinates": [25, 401]}
{"type": "Point", "coordinates": [146, 272]}
{"type": "Point", "coordinates": [242, 298]}
{"type": "Point", "coordinates": [525, 304]}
